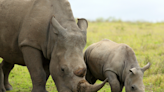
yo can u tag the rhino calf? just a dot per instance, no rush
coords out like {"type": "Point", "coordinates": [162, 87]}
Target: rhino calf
{"type": "Point", "coordinates": [118, 63]}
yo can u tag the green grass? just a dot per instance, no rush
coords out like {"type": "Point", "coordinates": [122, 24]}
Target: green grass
{"type": "Point", "coordinates": [146, 39]}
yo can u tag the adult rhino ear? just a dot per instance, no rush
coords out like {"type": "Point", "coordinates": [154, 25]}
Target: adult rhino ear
{"type": "Point", "coordinates": [83, 24]}
{"type": "Point", "coordinates": [145, 67]}
{"type": "Point", "coordinates": [133, 70]}
{"type": "Point", "coordinates": [58, 29]}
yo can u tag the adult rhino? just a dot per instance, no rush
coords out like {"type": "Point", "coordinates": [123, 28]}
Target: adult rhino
{"type": "Point", "coordinates": [118, 63]}
{"type": "Point", "coordinates": [30, 36]}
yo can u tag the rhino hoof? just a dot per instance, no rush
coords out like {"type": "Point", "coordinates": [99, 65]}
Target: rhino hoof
{"type": "Point", "coordinates": [8, 87]}
{"type": "Point", "coordinates": [2, 90]}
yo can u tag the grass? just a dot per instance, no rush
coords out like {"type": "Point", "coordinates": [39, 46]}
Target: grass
{"type": "Point", "coordinates": [145, 38]}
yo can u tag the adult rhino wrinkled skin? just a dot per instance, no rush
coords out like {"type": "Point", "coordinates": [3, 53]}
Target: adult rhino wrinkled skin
{"type": "Point", "coordinates": [118, 63]}
{"type": "Point", "coordinates": [47, 45]}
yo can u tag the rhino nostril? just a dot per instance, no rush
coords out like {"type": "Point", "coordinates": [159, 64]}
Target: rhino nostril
{"type": "Point", "coordinates": [80, 72]}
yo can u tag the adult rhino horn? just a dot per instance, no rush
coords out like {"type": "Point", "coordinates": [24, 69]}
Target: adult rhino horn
{"type": "Point", "coordinates": [86, 87]}
{"type": "Point", "coordinates": [145, 67]}
{"type": "Point", "coordinates": [58, 29]}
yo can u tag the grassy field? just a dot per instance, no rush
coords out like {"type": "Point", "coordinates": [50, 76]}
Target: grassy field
{"type": "Point", "coordinates": [146, 39]}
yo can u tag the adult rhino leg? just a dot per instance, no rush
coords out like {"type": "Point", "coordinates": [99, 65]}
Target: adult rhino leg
{"type": "Point", "coordinates": [7, 67]}
{"type": "Point", "coordinates": [34, 61]}
{"type": "Point", "coordinates": [113, 81]}
{"type": "Point", "coordinates": [46, 68]}
{"type": "Point", "coordinates": [2, 88]}
{"type": "Point", "coordinates": [121, 86]}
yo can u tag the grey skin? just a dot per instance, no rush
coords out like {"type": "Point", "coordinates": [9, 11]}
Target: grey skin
{"type": "Point", "coordinates": [47, 45]}
{"type": "Point", "coordinates": [118, 63]}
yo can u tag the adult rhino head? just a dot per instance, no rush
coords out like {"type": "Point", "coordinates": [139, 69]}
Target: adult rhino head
{"type": "Point", "coordinates": [67, 66]}
{"type": "Point", "coordinates": [134, 79]}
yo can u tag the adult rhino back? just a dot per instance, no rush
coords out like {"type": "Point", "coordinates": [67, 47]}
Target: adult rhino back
{"type": "Point", "coordinates": [44, 36]}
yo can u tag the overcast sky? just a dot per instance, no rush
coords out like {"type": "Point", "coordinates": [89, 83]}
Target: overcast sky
{"type": "Point", "coordinates": [128, 10]}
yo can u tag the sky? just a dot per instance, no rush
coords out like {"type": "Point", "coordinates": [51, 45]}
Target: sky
{"type": "Point", "coordinates": [126, 10]}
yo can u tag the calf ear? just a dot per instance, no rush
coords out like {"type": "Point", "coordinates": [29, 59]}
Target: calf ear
{"type": "Point", "coordinates": [133, 70]}
{"type": "Point", "coordinates": [145, 67]}
{"type": "Point", "coordinates": [83, 24]}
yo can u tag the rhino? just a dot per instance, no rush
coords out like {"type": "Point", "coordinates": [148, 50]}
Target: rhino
{"type": "Point", "coordinates": [118, 63]}
{"type": "Point", "coordinates": [44, 36]}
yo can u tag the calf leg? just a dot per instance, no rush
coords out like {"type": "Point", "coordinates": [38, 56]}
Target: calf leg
{"type": "Point", "coordinates": [89, 77]}
{"type": "Point", "coordinates": [2, 88]}
{"type": "Point", "coordinates": [7, 67]}
{"type": "Point", "coordinates": [34, 61]}
{"type": "Point", "coordinates": [113, 81]}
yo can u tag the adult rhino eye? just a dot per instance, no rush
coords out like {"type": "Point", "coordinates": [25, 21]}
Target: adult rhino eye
{"type": "Point", "coordinates": [62, 69]}
{"type": "Point", "coordinates": [133, 87]}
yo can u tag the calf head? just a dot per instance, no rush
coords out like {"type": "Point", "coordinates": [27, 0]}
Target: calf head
{"type": "Point", "coordinates": [67, 66]}
{"type": "Point", "coordinates": [134, 79]}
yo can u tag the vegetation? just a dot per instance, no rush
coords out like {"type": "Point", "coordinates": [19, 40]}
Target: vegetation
{"type": "Point", "coordinates": [145, 38]}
